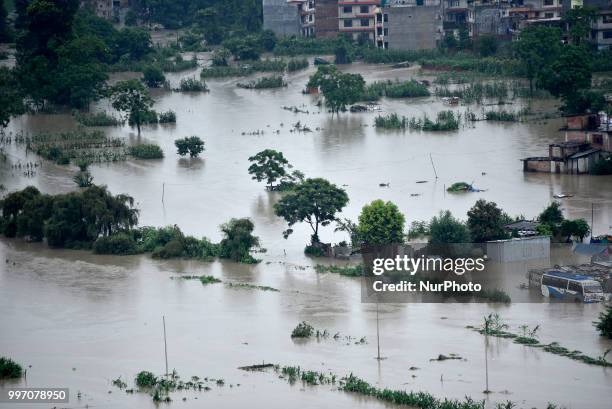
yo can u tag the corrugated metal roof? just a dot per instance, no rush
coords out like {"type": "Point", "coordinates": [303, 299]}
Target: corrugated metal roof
{"type": "Point", "coordinates": [584, 153]}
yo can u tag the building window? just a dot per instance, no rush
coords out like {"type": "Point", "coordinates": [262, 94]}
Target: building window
{"type": "Point", "coordinates": [348, 9]}
{"type": "Point", "coordinates": [364, 9]}
{"type": "Point", "coordinates": [549, 15]}
{"type": "Point", "coordinates": [365, 22]}
{"type": "Point", "coordinates": [379, 31]}
{"type": "Point", "coordinates": [607, 34]}
{"type": "Point", "coordinates": [606, 18]}
{"type": "Point", "coordinates": [348, 23]}
{"type": "Point", "coordinates": [386, 32]}
{"type": "Point", "coordinates": [549, 2]}
{"type": "Point", "coordinates": [386, 18]}
{"type": "Point", "coordinates": [419, 2]}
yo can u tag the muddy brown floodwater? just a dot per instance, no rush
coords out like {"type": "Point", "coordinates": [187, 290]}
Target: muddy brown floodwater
{"type": "Point", "coordinates": [81, 320]}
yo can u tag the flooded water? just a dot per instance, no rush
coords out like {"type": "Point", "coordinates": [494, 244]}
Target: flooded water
{"type": "Point", "coordinates": [81, 320]}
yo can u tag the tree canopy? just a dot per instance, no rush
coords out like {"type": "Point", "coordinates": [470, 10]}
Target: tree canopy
{"type": "Point", "coordinates": [132, 98]}
{"type": "Point", "coordinates": [445, 229]}
{"type": "Point", "coordinates": [192, 145]}
{"type": "Point", "coordinates": [381, 223]}
{"type": "Point", "coordinates": [339, 89]}
{"type": "Point", "coordinates": [269, 166]}
{"type": "Point", "coordinates": [314, 201]}
{"type": "Point", "coordinates": [486, 222]}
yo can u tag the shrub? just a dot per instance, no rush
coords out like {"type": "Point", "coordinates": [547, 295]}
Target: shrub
{"type": "Point", "coordinates": [168, 117]}
{"type": "Point", "coordinates": [314, 251]}
{"type": "Point", "coordinates": [9, 369]}
{"type": "Point", "coordinates": [83, 179]}
{"type": "Point", "coordinates": [604, 325]}
{"type": "Point", "coordinates": [264, 83]}
{"type": "Point", "coordinates": [118, 244]}
{"type": "Point", "coordinates": [172, 249]}
{"type": "Point", "coordinates": [297, 64]}
{"type": "Point", "coordinates": [146, 151]}
{"type": "Point", "coordinates": [192, 85]}
{"type": "Point", "coordinates": [97, 119]}
{"type": "Point", "coordinates": [303, 330]}
{"type": "Point", "coordinates": [603, 166]}
{"type": "Point", "coordinates": [147, 117]}
{"type": "Point", "coordinates": [390, 89]}
{"type": "Point", "coordinates": [192, 145]}
{"type": "Point", "coordinates": [145, 379]}
{"type": "Point", "coordinates": [153, 76]}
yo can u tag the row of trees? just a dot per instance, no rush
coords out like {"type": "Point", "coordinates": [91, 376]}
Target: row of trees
{"type": "Point", "coordinates": [317, 202]}
{"type": "Point", "coordinates": [63, 52]}
{"type": "Point", "coordinates": [95, 218]}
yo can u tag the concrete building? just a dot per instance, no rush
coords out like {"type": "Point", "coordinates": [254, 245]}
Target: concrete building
{"type": "Point", "coordinates": [359, 18]}
{"type": "Point", "coordinates": [458, 14]}
{"type": "Point", "coordinates": [601, 33]}
{"type": "Point", "coordinates": [281, 17]}
{"type": "Point", "coordinates": [412, 27]}
{"type": "Point", "coordinates": [306, 12]}
{"type": "Point", "coordinates": [326, 17]}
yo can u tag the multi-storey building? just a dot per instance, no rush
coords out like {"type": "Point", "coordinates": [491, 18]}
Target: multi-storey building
{"type": "Point", "coordinates": [281, 17]}
{"type": "Point", "coordinates": [306, 12]}
{"type": "Point", "coordinates": [410, 25]}
{"type": "Point", "coordinates": [326, 17]}
{"type": "Point", "coordinates": [359, 18]}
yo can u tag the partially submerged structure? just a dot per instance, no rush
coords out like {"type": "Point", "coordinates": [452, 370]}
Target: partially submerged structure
{"type": "Point", "coordinates": [587, 140]}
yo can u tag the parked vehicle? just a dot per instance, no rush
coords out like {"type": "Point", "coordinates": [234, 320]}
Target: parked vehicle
{"type": "Point", "coordinates": [570, 286]}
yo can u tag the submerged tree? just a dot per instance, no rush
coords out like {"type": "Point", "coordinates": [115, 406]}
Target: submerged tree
{"type": "Point", "coordinates": [444, 229]}
{"type": "Point", "coordinates": [314, 201]}
{"type": "Point", "coordinates": [339, 89]}
{"type": "Point", "coordinates": [269, 166]}
{"type": "Point", "coordinates": [132, 98]}
{"type": "Point", "coordinates": [192, 145]}
{"type": "Point", "coordinates": [486, 222]}
{"type": "Point", "coordinates": [381, 223]}
{"type": "Point", "coordinates": [604, 325]}
{"type": "Point", "coordinates": [238, 241]}
{"type": "Point", "coordinates": [11, 100]}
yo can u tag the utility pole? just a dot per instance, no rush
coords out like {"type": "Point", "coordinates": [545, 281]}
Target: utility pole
{"type": "Point", "coordinates": [592, 219]}
{"type": "Point", "coordinates": [165, 344]}
{"type": "Point", "coordinates": [377, 332]}
{"type": "Point", "coordinates": [163, 191]}
{"type": "Point", "coordinates": [434, 166]}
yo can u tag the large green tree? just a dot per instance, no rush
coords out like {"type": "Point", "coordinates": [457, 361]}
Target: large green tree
{"type": "Point", "coordinates": [578, 228]}
{"type": "Point", "coordinates": [536, 47]}
{"type": "Point", "coordinates": [269, 166]}
{"type": "Point", "coordinates": [314, 201]}
{"type": "Point", "coordinates": [339, 89]}
{"type": "Point", "coordinates": [381, 223]}
{"type": "Point", "coordinates": [238, 241]}
{"type": "Point", "coordinates": [132, 98]}
{"type": "Point", "coordinates": [11, 100]}
{"type": "Point", "coordinates": [486, 222]}
{"type": "Point", "coordinates": [445, 229]}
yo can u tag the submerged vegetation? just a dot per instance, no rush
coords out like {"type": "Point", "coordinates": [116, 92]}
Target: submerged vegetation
{"type": "Point", "coordinates": [445, 121]}
{"type": "Point", "coordinates": [497, 328]}
{"type": "Point", "coordinates": [9, 369]}
{"type": "Point", "coordinates": [395, 89]}
{"type": "Point", "coordinates": [264, 83]}
{"type": "Point", "coordinates": [146, 151]}
{"type": "Point", "coordinates": [604, 324]}
{"type": "Point", "coordinates": [97, 119]}
{"type": "Point", "coordinates": [192, 85]}
{"type": "Point", "coordinates": [348, 271]}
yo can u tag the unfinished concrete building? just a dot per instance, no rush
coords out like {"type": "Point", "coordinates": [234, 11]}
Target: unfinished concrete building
{"type": "Point", "coordinates": [409, 26]}
{"type": "Point", "coordinates": [326, 17]}
{"type": "Point", "coordinates": [281, 17]}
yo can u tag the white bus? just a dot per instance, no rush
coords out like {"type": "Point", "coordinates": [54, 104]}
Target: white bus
{"type": "Point", "coordinates": [571, 286]}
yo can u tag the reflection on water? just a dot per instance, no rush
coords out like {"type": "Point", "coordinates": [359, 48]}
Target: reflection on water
{"type": "Point", "coordinates": [102, 315]}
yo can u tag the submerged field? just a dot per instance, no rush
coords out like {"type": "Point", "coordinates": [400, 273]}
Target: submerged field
{"type": "Point", "coordinates": [82, 320]}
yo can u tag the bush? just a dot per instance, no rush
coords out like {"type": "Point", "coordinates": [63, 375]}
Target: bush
{"type": "Point", "coordinates": [146, 151]}
{"type": "Point", "coordinates": [604, 325]}
{"type": "Point", "coordinates": [390, 89]}
{"type": "Point", "coordinates": [192, 85]}
{"type": "Point", "coordinates": [303, 330]}
{"type": "Point", "coordinates": [97, 119]}
{"type": "Point", "coordinates": [9, 369]}
{"type": "Point", "coordinates": [238, 241]}
{"type": "Point", "coordinates": [172, 249]}
{"type": "Point", "coordinates": [153, 76]}
{"type": "Point", "coordinates": [297, 64]}
{"type": "Point", "coordinates": [603, 166]}
{"type": "Point", "coordinates": [264, 83]}
{"type": "Point", "coordinates": [147, 117]}
{"type": "Point", "coordinates": [118, 244]}
{"type": "Point", "coordinates": [145, 379]}
{"type": "Point", "coordinates": [192, 145]}
{"type": "Point", "coordinates": [314, 251]}
{"type": "Point", "coordinates": [168, 117]}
